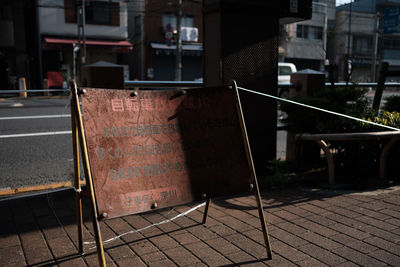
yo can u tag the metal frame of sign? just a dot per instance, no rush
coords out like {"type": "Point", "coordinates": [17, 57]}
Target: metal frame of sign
{"type": "Point", "coordinates": [80, 145]}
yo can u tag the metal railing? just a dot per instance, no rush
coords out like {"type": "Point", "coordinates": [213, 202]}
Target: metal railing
{"type": "Point", "coordinates": [192, 84]}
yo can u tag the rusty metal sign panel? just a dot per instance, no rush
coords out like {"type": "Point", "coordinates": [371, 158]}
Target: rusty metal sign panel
{"type": "Point", "coordinates": [158, 149]}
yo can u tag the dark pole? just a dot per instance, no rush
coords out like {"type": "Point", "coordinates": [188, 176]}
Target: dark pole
{"type": "Point", "coordinates": [178, 66]}
{"type": "Point", "coordinates": [348, 45]}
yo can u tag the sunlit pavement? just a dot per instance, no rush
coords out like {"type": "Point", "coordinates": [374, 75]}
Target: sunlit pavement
{"type": "Point", "coordinates": [306, 227]}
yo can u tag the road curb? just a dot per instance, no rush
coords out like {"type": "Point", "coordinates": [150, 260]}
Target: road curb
{"type": "Point", "coordinates": [34, 188]}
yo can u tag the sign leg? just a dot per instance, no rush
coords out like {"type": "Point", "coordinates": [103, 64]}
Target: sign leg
{"type": "Point", "coordinates": [89, 180]}
{"type": "Point", "coordinates": [77, 177]}
{"type": "Point", "coordinates": [206, 211]}
{"type": "Point", "coordinates": [254, 186]}
{"type": "Point", "coordinates": [262, 220]}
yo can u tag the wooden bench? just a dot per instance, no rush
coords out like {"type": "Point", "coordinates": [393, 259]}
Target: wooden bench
{"type": "Point", "coordinates": [322, 139]}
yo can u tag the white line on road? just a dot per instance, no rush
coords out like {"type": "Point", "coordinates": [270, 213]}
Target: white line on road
{"type": "Point", "coordinates": [36, 117]}
{"type": "Point", "coordinates": [34, 134]}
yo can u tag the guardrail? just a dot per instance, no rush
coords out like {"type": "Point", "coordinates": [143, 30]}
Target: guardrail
{"type": "Point", "coordinates": [33, 91]}
{"type": "Point", "coordinates": [191, 84]}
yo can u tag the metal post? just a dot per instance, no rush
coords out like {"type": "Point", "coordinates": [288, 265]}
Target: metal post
{"type": "Point", "coordinates": [88, 174]}
{"type": "Point", "coordinates": [206, 211]}
{"type": "Point", "coordinates": [375, 52]}
{"type": "Point", "coordinates": [83, 54]}
{"type": "Point", "coordinates": [348, 45]}
{"type": "Point", "coordinates": [77, 177]}
{"type": "Point", "coordinates": [381, 85]}
{"type": "Point", "coordinates": [178, 64]}
{"type": "Point", "coordinates": [254, 186]}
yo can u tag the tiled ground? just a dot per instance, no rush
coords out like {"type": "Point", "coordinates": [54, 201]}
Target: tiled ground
{"type": "Point", "coordinates": [306, 229]}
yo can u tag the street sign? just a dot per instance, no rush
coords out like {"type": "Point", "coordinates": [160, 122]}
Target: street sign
{"type": "Point", "coordinates": [169, 33]}
{"type": "Point", "coordinates": [155, 149]}
{"type": "Point", "coordinates": [391, 20]}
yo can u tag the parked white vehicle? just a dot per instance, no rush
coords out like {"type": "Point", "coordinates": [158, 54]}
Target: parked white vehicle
{"type": "Point", "coordinates": [284, 72]}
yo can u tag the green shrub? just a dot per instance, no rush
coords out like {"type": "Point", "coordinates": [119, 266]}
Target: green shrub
{"type": "Point", "coordinates": [350, 101]}
{"type": "Point", "coordinates": [356, 160]}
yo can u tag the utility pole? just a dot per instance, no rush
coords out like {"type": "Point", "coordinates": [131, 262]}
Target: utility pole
{"type": "Point", "coordinates": [80, 47]}
{"type": "Point", "coordinates": [348, 45]}
{"type": "Point", "coordinates": [375, 52]}
{"type": "Point", "coordinates": [178, 64]}
{"type": "Point", "coordinates": [81, 31]}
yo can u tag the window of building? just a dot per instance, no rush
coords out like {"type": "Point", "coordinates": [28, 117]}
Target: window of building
{"type": "Point", "coordinates": [138, 25]}
{"type": "Point", "coordinates": [96, 12]}
{"type": "Point", "coordinates": [309, 32]}
{"type": "Point", "coordinates": [391, 44]}
{"type": "Point", "coordinates": [186, 21]}
{"type": "Point", "coordinates": [362, 44]}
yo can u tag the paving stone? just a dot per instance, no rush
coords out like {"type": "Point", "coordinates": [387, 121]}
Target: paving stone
{"type": "Point", "coordinates": [311, 262]}
{"type": "Point", "coordinates": [121, 252]}
{"type": "Point", "coordinates": [320, 241]}
{"type": "Point", "coordinates": [202, 233]}
{"type": "Point", "coordinates": [381, 233]}
{"type": "Point", "coordinates": [384, 244]}
{"type": "Point", "coordinates": [240, 257]}
{"type": "Point", "coordinates": [61, 247]}
{"type": "Point", "coordinates": [352, 222]}
{"type": "Point", "coordinates": [354, 243]}
{"type": "Point", "coordinates": [291, 228]}
{"type": "Point", "coordinates": [247, 245]}
{"type": "Point", "coordinates": [131, 261]}
{"type": "Point", "coordinates": [256, 235]}
{"type": "Point", "coordinates": [358, 257]}
{"type": "Point", "coordinates": [350, 231]}
{"type": "Point", "coordinates": [377, 223]}
{"type": "Point", "coordinates": [322, 255]}
{"type": "Point", "coordinates": [181, 256]}
{"type": "Point", "coordinates": [285, 215]}
{"type": "Point", "coordinates": [143, 247]}
{"type": "Point", "coordinates": [319, 229]}
{"type": "Point", "coordinates": [153, 257]}
{"type": "Point", "coordinates": [164, 242]}
{"type": "Point", "coordinates": [9, 240]}
{"type": "Point", "coordinates": [38, 255]}
{"type": "Point", "coordinates": [78, 262]}
{"type": "Point", "coordinates": [314, 209]}
{"type": "Point", "coordinates": [12, 256]}
{"type": "Point", "coordinates": [184, 238]}
{"type": "Point", "coordinates": [222, 246]}
{"type": "Point", "coordinates": [288, 238]}
{"type": "Point", "coordinates": [393, 221]}
{"type": "Point", "coordinates": [289, 252]}
{"type": "Point", "coordinates": [386, 257]}
{"type": "Point", "coordinates": [278, 261]}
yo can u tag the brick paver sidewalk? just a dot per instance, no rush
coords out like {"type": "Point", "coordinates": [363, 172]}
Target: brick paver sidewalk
{"type": "Point", "coordinates": [306, 229]}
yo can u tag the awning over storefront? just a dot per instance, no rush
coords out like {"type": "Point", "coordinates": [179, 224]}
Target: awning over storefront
{"type": "Point", "coordinates": [187, 49]}
{"type": "Point", "coordinates": [106, 43]}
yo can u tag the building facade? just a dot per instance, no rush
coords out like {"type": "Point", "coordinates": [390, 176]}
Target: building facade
{"type": "Point", "coordinates": [18, 43]}
{"type": "Point", "coordinates": [304, 43]}
{"type": "Point", "coordinates": [153, 31]}
{"type": "Point", "coordinates": [105, 30]}
{"type": "Point", "coordinates": [41, 36]}
{"type": "Point", "coordinates": [362, 41]}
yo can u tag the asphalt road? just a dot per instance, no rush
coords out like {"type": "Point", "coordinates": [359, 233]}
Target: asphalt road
{"type": "Point", "coordinates": [35, 141]}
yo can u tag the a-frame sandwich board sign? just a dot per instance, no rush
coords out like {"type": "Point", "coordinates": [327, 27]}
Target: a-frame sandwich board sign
{"type": "Point", "coordinates": [150, 149]}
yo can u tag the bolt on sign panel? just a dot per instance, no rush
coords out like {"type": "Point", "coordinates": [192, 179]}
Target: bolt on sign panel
{"type": "Point", "coordinates": [157, 149]}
